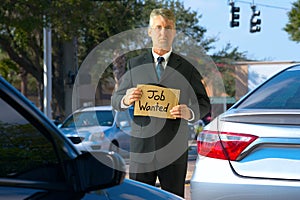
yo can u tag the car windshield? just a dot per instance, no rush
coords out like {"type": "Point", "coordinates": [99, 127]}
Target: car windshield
{"type": "Point", "coordinates": [90, 118]}
{"type": "Point", "coordinates": [280, 92]}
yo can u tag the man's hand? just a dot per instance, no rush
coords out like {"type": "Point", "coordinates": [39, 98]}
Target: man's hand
{"type": "Point", "coordinates": [132, 95]}
{"type": "Point", "coordinates": [181, 111]}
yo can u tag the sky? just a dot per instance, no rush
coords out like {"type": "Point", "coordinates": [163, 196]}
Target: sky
{"type": "Point", "coordinates": [272, 43]}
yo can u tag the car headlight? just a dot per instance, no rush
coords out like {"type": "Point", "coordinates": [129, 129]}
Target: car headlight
{"type": "Point", "coordinates": [99, 136]}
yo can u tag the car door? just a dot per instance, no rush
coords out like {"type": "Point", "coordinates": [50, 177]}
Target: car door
{"type": "Point", "coordinates": [30, 163]}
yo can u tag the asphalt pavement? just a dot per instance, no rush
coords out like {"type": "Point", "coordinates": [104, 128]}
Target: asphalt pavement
{"type": "Point", "coordinates": [191, 166]}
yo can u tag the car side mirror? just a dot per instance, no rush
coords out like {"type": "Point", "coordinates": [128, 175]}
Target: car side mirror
{"type": "Point", "coordinates": [97, 170]}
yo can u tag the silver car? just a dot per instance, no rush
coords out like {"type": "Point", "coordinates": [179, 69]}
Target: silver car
{"type": "Point", "coordinates": [99, 128]}
{"type": "Point", "coordinates": [252, 151]}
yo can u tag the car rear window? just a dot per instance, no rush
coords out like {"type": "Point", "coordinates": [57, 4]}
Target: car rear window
{"type": "Point", "coordinates": [105, 118]}
{"type": "Point", "coordinates": [280, 92]}
{"type": "Point", "coordinates": [90, 118]}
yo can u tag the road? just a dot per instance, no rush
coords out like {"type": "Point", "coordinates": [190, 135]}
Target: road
{"type": "Point", "coordinates": [191, 166]}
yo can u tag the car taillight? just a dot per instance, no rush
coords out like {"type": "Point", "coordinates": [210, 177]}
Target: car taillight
{"type": "Point", "coordinates": [232, 144]}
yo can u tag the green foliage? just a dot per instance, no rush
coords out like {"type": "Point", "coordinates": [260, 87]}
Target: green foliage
{"type": "Point", "coordinates": [292, 28]}
{"type": "Point", "coordinates": [9, 70]}
{"type": "Point", "coordinates": [87, 22]}
{"type": "Point", "coordinates": [224, 60]}
{"type": "Point", "coordinates": [229, 54]}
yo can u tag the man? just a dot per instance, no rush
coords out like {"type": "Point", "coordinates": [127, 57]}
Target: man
{"type": "Point", "coordinates": [159, 146]}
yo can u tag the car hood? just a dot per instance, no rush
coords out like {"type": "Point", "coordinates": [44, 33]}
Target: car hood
{"type": "Point", "coordinates": [131, 189]}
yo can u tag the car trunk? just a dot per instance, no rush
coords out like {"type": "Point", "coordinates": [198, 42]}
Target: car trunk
{"type": "Point", "coordinates": [275, 154]}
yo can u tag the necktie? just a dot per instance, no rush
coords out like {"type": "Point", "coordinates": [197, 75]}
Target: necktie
{"type": "Point", "coordinates": [159, 67]}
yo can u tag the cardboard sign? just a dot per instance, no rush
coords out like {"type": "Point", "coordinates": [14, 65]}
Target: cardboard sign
{"type": "Point", "coordinates": [156, 101]}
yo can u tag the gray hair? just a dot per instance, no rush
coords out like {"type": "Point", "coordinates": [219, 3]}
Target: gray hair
{"type": "Point", "coordinates": [165, 13]}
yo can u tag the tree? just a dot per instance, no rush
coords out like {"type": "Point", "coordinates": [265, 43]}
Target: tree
{"type": "Point", "coordinates": [224, 60]}
{"type": "Point", "coordinates": [87, 22]}
{"type": "Point", "coordinates": [9, 70]}
{"type": "Point", "coordinates": [292, 28]}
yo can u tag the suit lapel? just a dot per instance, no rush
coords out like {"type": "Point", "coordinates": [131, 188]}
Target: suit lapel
{"type": "Point", "coordinates": [174, 62]}
{"type": "Point", "coordinates": [144, 71]}
{"type": "Point", "coordinates": [148, 60]}
{"type": "Point", "coordinates": [148, 57]}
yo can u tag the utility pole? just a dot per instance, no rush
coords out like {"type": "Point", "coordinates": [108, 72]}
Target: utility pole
{"type": "Point", "coordinates": [47, 70]}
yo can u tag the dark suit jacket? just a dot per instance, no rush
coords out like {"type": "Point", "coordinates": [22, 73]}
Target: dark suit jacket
{"type": "Point", "coordinates": [163, 139]}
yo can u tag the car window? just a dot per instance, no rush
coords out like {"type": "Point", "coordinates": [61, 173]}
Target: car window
{"type": "Point", "coordinates": [25, 152]}
{"type": "Point", "coordinates": [105, 118]}
{"type": "Point", "coordinates": [281, 92]}
{"type": "Point", "coordinates": [89, 118]}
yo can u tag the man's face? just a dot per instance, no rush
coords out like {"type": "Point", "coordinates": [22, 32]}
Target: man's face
{"type": "Point", "coordinates": [162, 33]}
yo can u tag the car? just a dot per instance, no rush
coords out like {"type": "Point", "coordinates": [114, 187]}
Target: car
{"type": "Point", "coordinates": [103, 128]}
{"type": "Point", "coordinates": [99, 128]}
{"type": "Point", "coordinates": [37, 161]}
{"type": "Point", "coordinates": [252, 150]}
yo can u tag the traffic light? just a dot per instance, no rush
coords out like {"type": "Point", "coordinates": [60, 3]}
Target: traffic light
{"type": "Point", "coordinates": [254, 21]}
{"type": "Point", "coordinates": [234, 15]}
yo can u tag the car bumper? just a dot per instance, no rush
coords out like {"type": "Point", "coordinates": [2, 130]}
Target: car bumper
{"type": "Point", "coordinates": [214, 179]}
